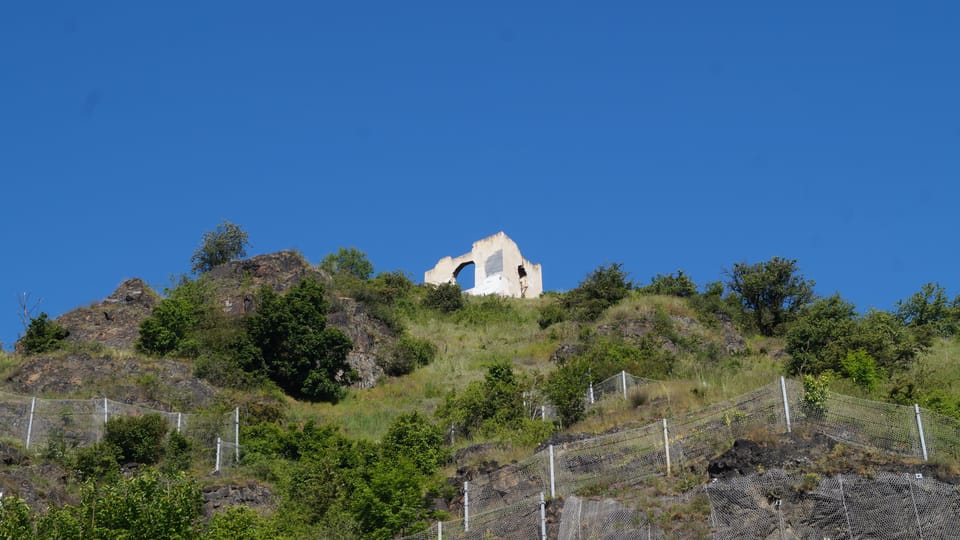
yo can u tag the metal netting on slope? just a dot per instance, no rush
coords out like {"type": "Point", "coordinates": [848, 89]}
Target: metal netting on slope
{"type": "Point", "coordinates": [511, 484]}
{"type": "Point", "coordinates": [14, 416]}
{"type": "Point", "coordinates": [942, 435]}
{"type": "Point", "coordinates": [613, 386]}
{"type": "Point", "coordinates": [884, 426]}
{"type": "Point", "coordinates": [705, 433]}
{"type": "Point", "coordinates": [886, 506]}
{"type": "Point", "coordinates": [520, 521]}
{"type": "Point", "coordinates": [75, 422]}
{"type": "Point", "coordinates": [618, 457]}
{"type": "Point", "coordinates": [604, 519]}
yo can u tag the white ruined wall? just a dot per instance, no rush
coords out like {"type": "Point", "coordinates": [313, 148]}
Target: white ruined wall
{"type": "Point", "coordinates": [497, 269]}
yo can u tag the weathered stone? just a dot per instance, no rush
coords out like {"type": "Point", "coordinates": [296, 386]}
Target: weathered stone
{"type": "Point", "coordinates": [499, 268]}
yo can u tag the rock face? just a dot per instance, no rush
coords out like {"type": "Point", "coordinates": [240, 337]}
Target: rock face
{"type": "Point", "coordinates": [114, 322]}
{"type": "Point", "coordinates": [154, 383]}
{"type": "Point", "coordinates": [251, 495]}
{"type": "Point", "coordinates": [237, 282]}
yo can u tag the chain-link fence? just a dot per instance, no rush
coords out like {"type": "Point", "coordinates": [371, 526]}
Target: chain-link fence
{"type": "Point", "coordinates": [741, 508]}
{"type": "Point", "coordinates": [37, 423]}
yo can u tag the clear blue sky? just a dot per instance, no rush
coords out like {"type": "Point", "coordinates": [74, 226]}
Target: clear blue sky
{"type": "Point", "coordinates": [663, 135]}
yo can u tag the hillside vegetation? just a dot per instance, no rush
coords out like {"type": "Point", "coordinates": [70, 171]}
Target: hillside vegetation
{"type": "Point", "coordinates": [365, 398]}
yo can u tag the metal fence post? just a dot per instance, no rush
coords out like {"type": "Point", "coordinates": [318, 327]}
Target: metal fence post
{"type": "Point", "coordinates": [553, 483]}
{"type": "Point", "coordinates": [543, 518]}
{"type": "Point", "coordinates": [466, 506]}
{"type": "Point", "coordinates": [106, 415]}
{"type": "Point", "coordinates": [923, 441]}
{"type": "Point", "coordinates": [666, 445]}
{"type": "Point", "coordinates": [786, 405]}
{"type": "Point", "coordinates": [33, 406]}
{"type": "Point", "coordinates": [623, 378]}
{"type": "Point", "coordinates": [178, 422]}
{"type": "Point", "coordinates": [543, 413]}
{"type": "Point", "coordinates": [591, 393]}
{"type": "Point", "coordinates": [236, 434]}
{"type": "Point", "coordinates": [216, 467]}
{"type": "Point", "coordinates": [439, 530]}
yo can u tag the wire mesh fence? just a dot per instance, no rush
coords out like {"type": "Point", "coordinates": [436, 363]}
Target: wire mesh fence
{"type": "Point", "coordinates": [757, 507]}
{"type": "Point", "coordinates": [71, 423]}
{"type": "Point", "coordinates": [888, 505]}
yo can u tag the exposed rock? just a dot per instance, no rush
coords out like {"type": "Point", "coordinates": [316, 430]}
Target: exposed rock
{"type": "Point", "coordinates": [252, 495]}
{"type": "Point", "coordinates": [236, 282]}
{"type": "Point", "coordinates": [114, 322]}
{"type": "Point", "coordinates": [41, 484]}
{"type": "Point", "coordinates": [157, 383]}
{"type": "Point", "coordinates": [371, 339]}
{"type": "Point", "coordinates": [733, 342]}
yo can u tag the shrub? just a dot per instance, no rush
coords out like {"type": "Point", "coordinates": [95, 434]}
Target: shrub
{"type": "Point", "coordinates": [413, 436]}
{"type": "Point", "coordinates": [861, 368]}
{"type": "Point", "coordinates": [98, 461]}
{"type": "Point", "coordinates": [348, 261]}
{"type": "Point", "coordinates": [601, 289]}
{"type": "Point", "coordinates": [43, 335]}
{"type": "Point", "coordinates": [138, 438]}
{"type": "Point", "coordinates": [550, 314]}
{"type": "Point", "coordinates": [408, 354]}
{"type": "Point", "coordinates": [446, 297]}
{"type": "Point", "coordinates": [671, 285]}
{"type": "Point", "coordinates": [814, 400]}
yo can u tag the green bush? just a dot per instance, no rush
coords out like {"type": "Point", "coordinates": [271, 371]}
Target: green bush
{"type": "Point", "coordinates": [566, 387]}
{"type": "Point", "coordinates": [551, 313]}
{"type": "Point", "coordinates": [813, 403]}
{"type": "Point", "coordinates": [140, 439]}
{"type": "Point", "coordinates": [489, 309]}
{"type": "Point", "coordinates": [97, 462]}
{"type": "Point", "coordinates": [408, 354]}
{"type": "Point", "coordinates": [415, 437]}
{"type": "Point", "coordinates": [176, 323]}
{"type": "Point", "coordinates": [601, 289]}
{"type": "Point", "coordinates": [446, 297]}
{"type": "Point", "coordinates": [43, 335]}
{"type": "Point", "coordinates": [488, 405]}
{"type": "Point", "coordinates": [671, 285]}
{"type": "Point", "coordinates": [861, 368]}
{"type": "Point", "coordinates": [348, 261]}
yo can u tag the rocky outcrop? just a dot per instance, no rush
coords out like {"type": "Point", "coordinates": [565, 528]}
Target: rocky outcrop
{"type": "Point", "coordinates": [159, 383]}
{"type": "Point", "coordinates": [371, 339]}
{"type": "Point", "coordinates": [237, 282]}
{"type": "Point", "coordinates": [252, 495]}
{"type": "Point", "coordinates": [114, 322]}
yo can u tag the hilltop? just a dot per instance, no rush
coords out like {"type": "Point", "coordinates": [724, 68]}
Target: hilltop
{"type": "Point", "coordinates": [419, 389]}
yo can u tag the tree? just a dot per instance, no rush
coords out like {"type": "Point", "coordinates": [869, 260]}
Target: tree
{"type": "Point", "coordinates": [928, 310]}
{"type": "Point", "coordinates": [227, 243]}
{"type": "Point", "coordinates": [294, 346]}
{"type": "Point", "coordinates": [177, 318]}
{"type": "Point", "coordinates": [43, 335]}
{"type": "Point", "coordinates": [601, 289]}
{"type": "Point", "coordinates": [350, 261]}
{"type": "Point", "coordinates": [771, 293]}
{"type": "Point", "coordinates": [415, 437]}
{"type": "Point", "coordinates": [818, 339]}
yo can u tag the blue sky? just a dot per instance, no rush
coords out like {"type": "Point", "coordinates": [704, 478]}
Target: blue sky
{"type": "Point", "coordinates": [664, 136]}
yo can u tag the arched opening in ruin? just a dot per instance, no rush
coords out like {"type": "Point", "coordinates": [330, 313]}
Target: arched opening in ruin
{"type": "Point", "coordinates": [465, 275]}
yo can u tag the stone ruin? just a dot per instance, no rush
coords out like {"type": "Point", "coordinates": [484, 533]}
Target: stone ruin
{"type": "Point", "coordinates": [499, 269]}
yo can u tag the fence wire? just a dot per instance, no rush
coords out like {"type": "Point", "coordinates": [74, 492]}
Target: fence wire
{"type": "Point", "coordinates": [765, 506]}
{"type": "Point", "coordinates": [72, 423]}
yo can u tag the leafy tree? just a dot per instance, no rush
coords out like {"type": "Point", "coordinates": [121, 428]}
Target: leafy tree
{"type": "Point", "coordinates": [227, 243]}
{"type": "Point", "coordinates": [15, 519]}
{"type": "Point", "coordinates": [446, 297]}
{"type": "Point", "coordinates": [415, 437]}
{"type": "Point", "coordinates": [349, 261]}
{"type": "Point", "coordinates": [820, 336]}
{"type": "Point", "coordinates": [240, 523]}
{"type": "Point", "coordinates": [293, 345]}
{"type": "Point", "coordinates": [891, 343]}
{"type": "Point", "coordinates": [813, 403]}
{"type": "Point", "coordinates": [601, 289]}
{"type": "Point", "coordinates": [43, 335]}
{"type": "Point", "coordinates": [928, 310]}
{"type": "Point", "coordinates": [671, 285]}
{"type": "Point", "coordinates": [771, 292]}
